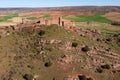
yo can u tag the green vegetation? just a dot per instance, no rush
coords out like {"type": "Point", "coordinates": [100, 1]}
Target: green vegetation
{"type": "Point", "coordinates": [46, 16]}
{"type": "Point", "coordinates": [106, 66]}
{"type": "Point", "coordinates": [28, 77]}
{"type": "Point", "coordinates": [48, 64]}
{"type": "Point", "coordinates": [95, 18]}
{"type": "Point", "coordinates": [41, 32]}
{"type": "Point", "coordinates": [99, 70]}
{"type": "Point", "coordinates": [6, 18]}
{"type": "Point", "coordinates": [115, 23]}
{"type": "Point", "coordinates": [82, 77]}
{"type": "Point", "coordinates": [32, 18]}
{"type": "Point", "coordinates": [85, 49]}
{"type": "Point", "coordinates": [74, 44]}
{"type": "Point", "coordinates": [104, 28]}
{"type": "Point", "coordinates": [89, 79]}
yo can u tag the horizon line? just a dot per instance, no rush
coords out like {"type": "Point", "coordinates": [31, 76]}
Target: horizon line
{"type": "Point", "coordinates": [65, 6]}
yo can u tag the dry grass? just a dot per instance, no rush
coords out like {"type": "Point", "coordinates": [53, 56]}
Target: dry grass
{"type": "Point", "coordinates": [17, 19]}
{"type": "Point", "coordinates": [7, 23]}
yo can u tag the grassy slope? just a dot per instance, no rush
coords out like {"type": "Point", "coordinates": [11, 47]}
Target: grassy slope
{"type": "Point", "coordinates": [17, 52]}
{"type": "Point", "coordinates": [106, 30]}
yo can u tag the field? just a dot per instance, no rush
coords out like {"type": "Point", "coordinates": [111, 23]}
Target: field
{"type": "Point", "coordinates": [6, 18]}
{"type": "Point", "coordinates": [47, 16]}
{"type": "Point", "coordinates": [95, 18]}
{"type": "Point", "coordinates": [32, 18]}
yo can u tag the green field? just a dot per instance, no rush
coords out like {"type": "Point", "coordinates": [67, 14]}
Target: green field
{"type": "Point", "coordinates": [6, 18]}
{"type": "Point", "coordinates": [46, 16]}
{"type": "Point", "coordinates": [95, 18]}
{"type": "Point", "coordinates": [32, 18]}
{"type": "Point", "coordinates": [104, 29]}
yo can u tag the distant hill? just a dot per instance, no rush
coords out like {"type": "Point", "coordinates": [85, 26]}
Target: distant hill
{"type": "Point", "coordinates": [95, 9]}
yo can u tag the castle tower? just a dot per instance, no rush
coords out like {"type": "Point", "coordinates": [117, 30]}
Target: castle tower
{"type": "Point", "coordinates": [73, 23]}
{"type": "Point", "coordinates": [63, 24]}
{"type": "Point", "coordinates": [22, 22]}
{"type": "Point", "coordinates": [60, 21]}
{"type": "Point", "coordinates": [46, 22]}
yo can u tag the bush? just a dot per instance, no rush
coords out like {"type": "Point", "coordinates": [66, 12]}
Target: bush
{"type": "Point", "coordinates": [115, 23]}
{"type": "Point", "coordinates": [28, 77]}
{"type": "Point", "coordinates": [48, 64]}
{"type": "Point", "coordinates": [106, 66]}
{"type": "Point", "coordinates": [89, 79]}
{"type": "Point", "coordinates": [74, 44]}
{"type": "Point", "coordinates": [42, 32]}
{"type": "Point", "coordinates": [85, 49]}
{"type": "Point", "coordinates": [82, 77]}
{"type": "Point", "coordinates": [108, 39]}
{"type": "Point", "coordinates": [118, 40]}
{"type": "Point", "coordinates": [99, 70]}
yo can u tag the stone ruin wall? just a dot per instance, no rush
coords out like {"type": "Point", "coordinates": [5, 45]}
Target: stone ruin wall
{"type": "Point", "coordinates": [66, 24]}
{"type": "Point", "coordinates": [58, 21]}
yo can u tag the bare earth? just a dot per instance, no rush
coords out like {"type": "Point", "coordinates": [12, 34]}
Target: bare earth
{"type": "Point", "coordinates": [7, 23]}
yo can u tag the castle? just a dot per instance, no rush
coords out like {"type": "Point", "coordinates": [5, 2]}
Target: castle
{"type": "Point", "coordinates": [66, 24]}
{"type": "Point", "coordinates": [43, 21]}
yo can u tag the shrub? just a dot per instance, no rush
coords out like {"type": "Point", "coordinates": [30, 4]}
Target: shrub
{"type": "Point", "coordinates": [82, 77]}
{"type": "Point", "coordinates": [108, 39]}
{"type": "Point", "coordinates": [99, 70]}
{"type": "Point", "coordinates": [85, 49]}
{"type": "Point", "coordinates": [74, 44]}
{"type": "Point", "coordinates": [106, 66]}
{"type": "Point", "coordinates": [118, 40]}
{"type": "Point", "coordinates": [42, 32]}
{"type": "Point", "coordinates": [89, 79]}
{"type": "Point", "coordinates": [115, 23]}
{"type": "Point", "coordinates": [98, 39]}
{"type": "Point", "coordinates": [28, 77]}
{"type": "Point", "coordinates": [48, 64]}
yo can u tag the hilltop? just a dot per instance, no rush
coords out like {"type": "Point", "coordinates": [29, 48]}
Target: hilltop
{"type": "Point", "coordinates": [64, 43]}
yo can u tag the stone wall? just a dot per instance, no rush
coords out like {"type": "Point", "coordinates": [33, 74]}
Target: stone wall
{"type": "Point", "coordinates": [58, 21]}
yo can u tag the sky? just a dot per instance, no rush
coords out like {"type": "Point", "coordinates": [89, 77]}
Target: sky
{"type": "Point", "coordinates": [57, 3]}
